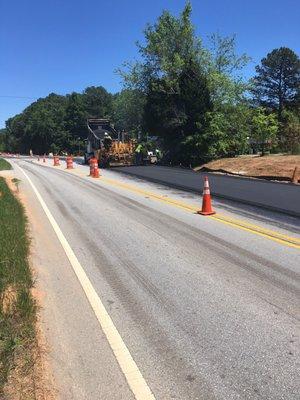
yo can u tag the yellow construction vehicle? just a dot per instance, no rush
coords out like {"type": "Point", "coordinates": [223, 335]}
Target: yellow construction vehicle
{"type": "Point", "coordinates": [111, 148]}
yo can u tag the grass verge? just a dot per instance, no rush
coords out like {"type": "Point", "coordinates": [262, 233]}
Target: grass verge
{"type": "Point", "coordinates": [17, 306]}
{"type": "Point", "coordinates": [4, 165]}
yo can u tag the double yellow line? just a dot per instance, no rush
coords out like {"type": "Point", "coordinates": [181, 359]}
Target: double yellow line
{"type": "Point", "coordinates": [252, 228]}
{"type": "Point", "coordinates": [236, 223]}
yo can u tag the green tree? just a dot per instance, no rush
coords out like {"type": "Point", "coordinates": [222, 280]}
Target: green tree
{"type": "Point", "coordinates": [224, 66]}
{"type": "Point", "coordinates": [37, 126]}
{"type": "Point", "coordinates": [184, 83]}
{"type": "Point", "coordinates": [172, 78]}
{"type": "Point", "coordinates": [76, 115]}
{"type": "Point", "coordinates": [178, 117]}
{"type": "Point", "coordinates": [228, 131]}
{"type": "Point", "coordinates": [223, 56]}
{"type": "Point", "coordinates": [2, 139]}
{"type": "Point", "coordinates": [264, 128]}
{"type": "Point", "coordinates": [128, 108]}
{"type": "Point", "coordinates": [97, 102]}
{"type": "Point", "coordinates": [277, 82]}
{"type": "Point", "coordinates": [290, 138]}
{"type": "Point", "coordinates": [56, 123]}
{"type": "Point", "coordinates": [15, 127]}
{"type": "Point", "coordinates": [169, 44]}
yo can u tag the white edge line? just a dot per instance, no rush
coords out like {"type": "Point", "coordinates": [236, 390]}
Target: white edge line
{"type": "Point", "coordinates": [134, 377]}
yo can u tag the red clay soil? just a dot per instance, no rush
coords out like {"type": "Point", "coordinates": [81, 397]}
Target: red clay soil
{"type": "Point", "coordinates": [279, 167]}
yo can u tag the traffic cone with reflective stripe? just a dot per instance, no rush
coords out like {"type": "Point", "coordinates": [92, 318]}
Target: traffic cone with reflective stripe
{"type": "Point", "coordinates": [69, 162]}
{"type": "Point", "coordinates": [92, 162]}
{"type": "Point", "coordinates": [96, 173]}
{"type": "Point", "coordinates": [206, 200]}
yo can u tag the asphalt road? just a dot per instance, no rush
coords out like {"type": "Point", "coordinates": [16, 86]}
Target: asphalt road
{"type": "Point", "coordinates": [208, 311]}
{"type": "Point", "coordinates": [271, 195]}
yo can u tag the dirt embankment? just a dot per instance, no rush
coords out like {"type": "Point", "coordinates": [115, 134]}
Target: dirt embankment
{"type": "Point", "coordinates": [278, 167]}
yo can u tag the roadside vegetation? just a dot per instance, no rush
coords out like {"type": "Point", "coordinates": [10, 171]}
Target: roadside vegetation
{"type": "Point", "coordinates": [4, 165]}
{"type": "Point", "coordinates": [17, 306]}
{"type": "Point", "coordinates": [187, 92]}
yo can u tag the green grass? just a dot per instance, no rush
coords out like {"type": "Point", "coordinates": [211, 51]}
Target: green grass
{"type": "Point", "coordinates": [17, 307]}
{"type": "Point", "coordinates": [4, 165]}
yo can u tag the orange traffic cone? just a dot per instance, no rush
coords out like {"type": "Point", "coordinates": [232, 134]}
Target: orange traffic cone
{"type": "Point", "coordinates": [69, 162]}
{"type": "Point", "coordinates": [206, 201]}
{"type": "Point", "coordinates": [96, 173]}
{"type": "Point", "coordinates": [92, 162]}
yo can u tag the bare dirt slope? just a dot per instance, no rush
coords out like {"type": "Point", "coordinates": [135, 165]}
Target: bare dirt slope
{"type": "Point", "coordinates": [272, 166]}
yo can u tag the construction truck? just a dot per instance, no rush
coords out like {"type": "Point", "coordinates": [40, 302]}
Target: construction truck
{"type": "Point", "coordinates": [111, 148]}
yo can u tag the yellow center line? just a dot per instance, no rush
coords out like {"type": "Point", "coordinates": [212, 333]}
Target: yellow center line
{"type": "Point", "coordinates": [234, 222]}
{"type": "Point", "coordinates": [274, 236]}
{"type": "Point", "coordinates": [253, 227]}
{"type": "Point", "coordinates": [152, 195]}
{"type": "Point", "coordinates": [249, 227]}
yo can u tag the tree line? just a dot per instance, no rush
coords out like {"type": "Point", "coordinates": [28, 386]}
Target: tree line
{"type": "Point", "coordinates": [56, 123]}
{"type": "Point", "coordinates": [191, 97]}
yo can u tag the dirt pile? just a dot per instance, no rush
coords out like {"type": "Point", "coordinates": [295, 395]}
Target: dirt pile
{"type": "Point", "coordinates": [279, 167]}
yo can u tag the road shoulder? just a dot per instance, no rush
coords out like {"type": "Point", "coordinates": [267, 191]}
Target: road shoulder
{"type": "Point", "coordinates": [25, 373]}
{"type": "Point", "coordinates": [82, 362]}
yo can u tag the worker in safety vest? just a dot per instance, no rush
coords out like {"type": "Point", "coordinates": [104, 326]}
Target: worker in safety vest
{"type": "Point", "coordinates": [139, 154]}
{"type": "Point", "coordinates": [158, 154]}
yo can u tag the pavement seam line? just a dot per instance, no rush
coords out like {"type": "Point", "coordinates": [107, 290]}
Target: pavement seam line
{"type": "Point", "coordinates": [133, 375]}
{"type": "Point", "coordinates": [256, 232]}
{"type": "Point", "coordinates": [272, 235]}
{"type": "Point", "coordinates": [252, 228]}
{"type": "Point", "coordinates": [257, 229]}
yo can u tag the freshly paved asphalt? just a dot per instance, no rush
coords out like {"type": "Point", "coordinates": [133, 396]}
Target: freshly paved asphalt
{"type": "Point", "coordinates": [281, 197]}
{"type": "Point", "coordinates": [207, 311]}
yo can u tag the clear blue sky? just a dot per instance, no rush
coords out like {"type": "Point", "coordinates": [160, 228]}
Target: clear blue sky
{"type": "Point", "coordinates": [66, 45]}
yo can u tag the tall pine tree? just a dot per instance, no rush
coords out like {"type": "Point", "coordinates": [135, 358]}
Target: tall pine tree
{"type": "Point", "coordinates": [277, 82]}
